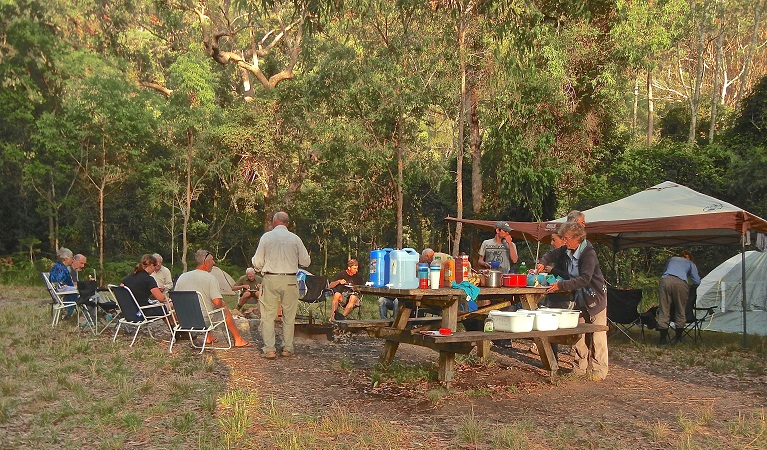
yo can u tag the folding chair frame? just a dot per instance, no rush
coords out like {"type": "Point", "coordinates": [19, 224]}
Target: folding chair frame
{"type": "Point", "coordinates": [130, 308]}
{"type": "Point", "coordinates": [58, 304]}
{"type": "Point", "coordinates": [191, 311]}
{"type": "Point", "coordinates": [306, 306]}
{"type": "Point", "coordinates": [625, 326]}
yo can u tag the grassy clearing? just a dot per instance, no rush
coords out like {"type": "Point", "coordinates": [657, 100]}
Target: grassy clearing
{"type": "Point", "coordinates": [60, 387]}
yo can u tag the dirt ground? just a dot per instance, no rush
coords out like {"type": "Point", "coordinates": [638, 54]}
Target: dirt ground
{"type": "Point", "coordinates": [623, 411]}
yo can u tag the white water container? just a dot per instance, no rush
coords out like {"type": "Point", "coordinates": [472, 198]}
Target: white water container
{"type": "Point", "coordinates": [568, 318]}
{"type": "Point", "coordinates": [403, 269]}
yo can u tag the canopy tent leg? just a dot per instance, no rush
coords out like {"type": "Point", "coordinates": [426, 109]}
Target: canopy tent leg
{"type": "Point", "coordinates": [743, 285]}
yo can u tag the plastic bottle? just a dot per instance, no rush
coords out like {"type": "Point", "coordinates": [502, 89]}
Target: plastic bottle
{"type": "Point", "coordinates": [449, 269]}
{"type": "Point", "coordinates": [423, 276]}
{"type": "Point", "coordinates": [522, 267]}
{"type": "Point", "coordinates": [489, 325]}
{"type": "Point", "coordinates": [435, 270]}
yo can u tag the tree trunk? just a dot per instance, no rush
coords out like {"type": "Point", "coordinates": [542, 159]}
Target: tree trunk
{"type": "Point", "coordinates": [650, 109]}
{"type": "Point", "coordinates": [635, 110]}
{"type": "Point", "coordinates": [400, 175]}
{"type": "Point", "coordinates": [747, 63]}
{"type": "Point", "coordinates": [700, 47]}
{"type": "Point", "coordinates": [187, 206]}
{"type": "Point", "coordinates": [715, 89]}
{"type": "Point", "coordinates": [459, 140]}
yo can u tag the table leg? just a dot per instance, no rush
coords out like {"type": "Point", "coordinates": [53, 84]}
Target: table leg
{"type": "Point", "coordinates": [483, 349]}
{"type": "Point", "coordinates": [400, 323]}
{"type": "Point", "coordinates": [446, 368]}
{"type": "Point", "coordinates": [549, 361]}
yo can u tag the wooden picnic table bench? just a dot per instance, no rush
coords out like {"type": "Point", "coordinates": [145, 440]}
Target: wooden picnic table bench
{"type": "Point", "coordinates": [380, 323]}
{"type": "Point", "coordinates": [447, 301]}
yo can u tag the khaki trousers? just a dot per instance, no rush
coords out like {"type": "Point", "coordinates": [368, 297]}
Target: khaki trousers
{"type": "Point", "coordinates": [278, 289]}
{"type": "Point", "coordinates": [591, 349]}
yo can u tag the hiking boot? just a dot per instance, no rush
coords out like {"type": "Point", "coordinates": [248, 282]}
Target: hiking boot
{"type": "Point", "coordinates": [663, 337]}
{"type": "Point", "coordinates": [287, 353]}
{"type": "Point", "coordinates": [269, 355]}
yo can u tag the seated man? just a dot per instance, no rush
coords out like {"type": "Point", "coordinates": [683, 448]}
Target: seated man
{"type": "Point", "coordinates": [250, 285]}
{"type": "Point", "coordinates": [77, 266]}
{"type": "Point", "coordinates": [202, 281]}
{"type": "Point", "coordinates": [343, 295]}
{"type": "Point", "coordinates": [162, 275]}
{"type": "Point", "coordinates": [386, 304]}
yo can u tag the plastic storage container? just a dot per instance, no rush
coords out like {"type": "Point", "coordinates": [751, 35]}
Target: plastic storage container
{"type": "Point", "coordinates": [515, 322]}
{"type": "Point", "coordinates": [402, 269]}
{"type": "Point", "coordinates": [545, 320]}
{"type": "Point", "coordinates": [568, 318]}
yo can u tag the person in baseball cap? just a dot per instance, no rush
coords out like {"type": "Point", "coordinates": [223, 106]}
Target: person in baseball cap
{"type": "Point", "coordinates": [501, 225]}
{"type": "Point", "coordinates": [499, 249]}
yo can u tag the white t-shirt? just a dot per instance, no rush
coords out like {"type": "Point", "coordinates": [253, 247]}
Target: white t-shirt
{"type": "Point", "coordinates": [203, 282]}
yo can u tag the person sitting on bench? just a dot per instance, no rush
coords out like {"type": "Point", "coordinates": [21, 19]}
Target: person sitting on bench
{"type": "Point", "coordinates": [344, 296]}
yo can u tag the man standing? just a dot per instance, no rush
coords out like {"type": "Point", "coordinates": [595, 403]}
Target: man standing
{"type": "Point", "coordinates": [204, 282]}
{"type": "Point", "coordinates": [673, 289]}
{"type": "Point", "coordinates": [499, 249]}
{"type": "Point", "coordinates": [162, 275]}
{"type": "Point", "coordinates": [278, 256]}
{"type": "Point", "coordinates": [343, 295]}
{"type": "Point", "coordinates": [250, 284]}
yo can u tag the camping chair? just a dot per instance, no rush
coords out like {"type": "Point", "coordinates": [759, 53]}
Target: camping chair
{"type": "Point", "coordinates": [60, 300]}
{"type": "Point", "coordinates": [622, 311]}
{"type": "Point", "coordinates": [315, 297]}
{"type": "Point", "coordinates": [193, 316]}
{"type": "Point", "coordinates": [695, 317]}
{"type": "Point", "coordinates": [133, 314]}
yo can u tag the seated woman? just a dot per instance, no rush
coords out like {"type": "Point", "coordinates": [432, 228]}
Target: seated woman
{"type": "Point", "coordinates": [60, 277]}
{"type": "Point", "coordinates": [143, 286]}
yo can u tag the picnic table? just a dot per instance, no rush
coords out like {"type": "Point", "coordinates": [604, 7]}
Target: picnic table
{"type": "Point", "coordinates": [447, 301]}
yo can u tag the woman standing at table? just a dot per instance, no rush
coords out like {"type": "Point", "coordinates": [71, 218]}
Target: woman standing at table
{"type": "Point", "coordinates": [589, 290]}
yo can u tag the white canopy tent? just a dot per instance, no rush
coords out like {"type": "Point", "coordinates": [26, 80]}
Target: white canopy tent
{"type": "Point", "coordinates": [665, 215]}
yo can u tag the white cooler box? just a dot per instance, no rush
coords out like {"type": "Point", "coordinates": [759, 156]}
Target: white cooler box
{"type": "Point", "coordinates": [515, 322]}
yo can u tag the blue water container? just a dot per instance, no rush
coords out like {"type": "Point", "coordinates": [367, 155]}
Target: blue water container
{"type": "Point", "coordinates": [379, 267]}
{"type": "Point", "coordinates": [403, 269]}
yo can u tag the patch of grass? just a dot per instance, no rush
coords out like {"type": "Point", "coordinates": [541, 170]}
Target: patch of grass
{"type": "Point", "coordinates": [659, 431]}
{"type": "Point", "coordinates": [6, 409]}
{"type": "Point", "coordinates": [132, 421]}
{"type": "Point", "coordinates": [751, 425]}
{"type": "Point", "coordinates": [184, 422]}
{"type": "Point", "coordinates": [471, 430]}
{"type": "Point", "coordinates": [235, 418]}
{"type": "Point", "coordinates": [720, 366]}
{"type": "Point", "coordinates": [435, 396]}
{"type": "Point", "coordinates": [514, 437]}
{"type": "Point", "coordinates": [411, 373]}
{"type": "Point", "coordinates": [481, 392]}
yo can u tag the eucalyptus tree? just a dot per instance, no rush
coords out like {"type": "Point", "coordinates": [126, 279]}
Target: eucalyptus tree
{"type": "Point", "coordinates": [28, 60]}
{"type": "Point", "coordinates": [103, 126]}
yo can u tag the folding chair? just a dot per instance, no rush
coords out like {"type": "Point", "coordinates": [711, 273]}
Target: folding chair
{"type": "Point", "coordinates": [133, 314]}
{"type": "Point", "coordinates": [59, 301]}
{"type": "Point", "coordinates": [315, 297]}
{"type": "Point", "coordinates": [695, 317]}
{"type": "Point", "coordinates": [193, 316]}
{"type": "Point", "coordinates": [622, 311]}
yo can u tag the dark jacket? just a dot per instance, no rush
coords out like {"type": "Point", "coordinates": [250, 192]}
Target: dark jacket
{"type": "Point", "coordinates": [590, 281]}
{"type": "Point", "coordinates": [558, 260]}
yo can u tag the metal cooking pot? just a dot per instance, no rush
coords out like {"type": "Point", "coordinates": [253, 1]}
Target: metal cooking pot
{"type": "Point", "coordinates": [491, 278]}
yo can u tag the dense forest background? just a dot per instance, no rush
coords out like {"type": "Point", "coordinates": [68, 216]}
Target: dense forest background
{"type": "Point", "coordinates": [169, 125]}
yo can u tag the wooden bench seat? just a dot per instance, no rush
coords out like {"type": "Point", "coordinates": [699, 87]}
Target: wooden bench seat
{"type": "Point", "coordinates": [477, 336]}
{"type": "Point", "coordinates": [380, 323]}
